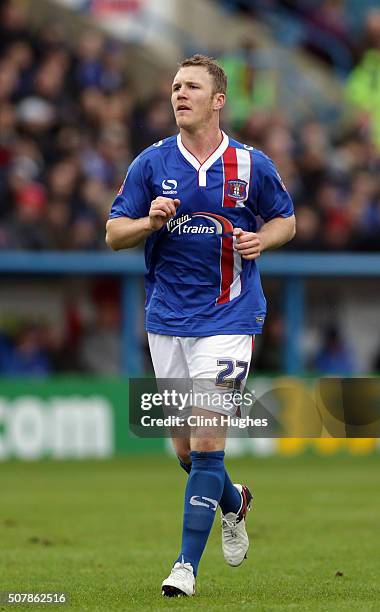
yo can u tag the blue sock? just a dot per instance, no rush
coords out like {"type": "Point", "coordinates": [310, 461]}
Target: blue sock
{"type": "Point", "coordinates": [203, 491]}
{"type": "Point", "coordinates": [231, 498]}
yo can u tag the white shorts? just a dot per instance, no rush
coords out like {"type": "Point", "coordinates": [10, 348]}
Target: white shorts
{"type": "Point", "coordinates": [214, 364]}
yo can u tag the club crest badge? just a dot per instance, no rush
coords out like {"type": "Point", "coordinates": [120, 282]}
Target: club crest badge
{"type": "Point", "coordinates": [237, 189]}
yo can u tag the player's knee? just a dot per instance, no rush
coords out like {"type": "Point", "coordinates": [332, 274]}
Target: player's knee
{"type": "Point", "coordinates": [182, 450]}
{"type": "Point", "coordinates": [205, 445]}
{"type": "Point", "coordinates": [185, 457]}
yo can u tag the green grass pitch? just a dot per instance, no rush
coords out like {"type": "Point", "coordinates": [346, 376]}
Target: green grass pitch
{"type": "Point", "coordinates": [106, 532]}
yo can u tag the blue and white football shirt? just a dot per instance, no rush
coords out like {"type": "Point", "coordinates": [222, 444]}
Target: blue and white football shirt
{"type": "Point", "coordinates": [196, 283]}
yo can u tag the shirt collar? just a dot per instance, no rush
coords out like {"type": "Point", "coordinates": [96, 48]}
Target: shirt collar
{"type": "Point", "coordinates": [210, 160]}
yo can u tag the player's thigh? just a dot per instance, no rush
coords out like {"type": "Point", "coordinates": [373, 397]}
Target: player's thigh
{"type": "Point", "coordinates": [219, 368]}
{"type": "Point", "coordinates": [223, 358]}
{"type": "Point", "coordinates": [168, 357]}
{"type": "Point", "coordinates": [172, 374]}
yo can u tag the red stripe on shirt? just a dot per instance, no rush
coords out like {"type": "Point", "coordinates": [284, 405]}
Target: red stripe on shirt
{"type": "Point", "coordinates": [230, 173]}
{"type": "Point", "coordinates": [227, 269]}
{"type": "Point", "coordinates": [227, 254]}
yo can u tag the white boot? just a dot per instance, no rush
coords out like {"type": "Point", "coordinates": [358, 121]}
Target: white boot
{"type": "Point", "coordinates": [180, 582]}
{"type": "Point", "coordinates": [235, 542]}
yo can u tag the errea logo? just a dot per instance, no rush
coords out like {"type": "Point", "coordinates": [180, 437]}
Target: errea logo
{"type": "Point", "coordinates": [169, 186]}
{"type": "Point", "coordinates": [207, 502]}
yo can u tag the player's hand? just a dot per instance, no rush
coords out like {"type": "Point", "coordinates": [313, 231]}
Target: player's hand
{"type": "Point", "coordinates": [247, 244]}
{"type": "Point", "coordinates": [161, 211]}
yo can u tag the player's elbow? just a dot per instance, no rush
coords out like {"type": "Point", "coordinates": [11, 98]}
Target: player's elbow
{"type": "Point", "coordinates": [293, 229]}
{"type": "Point", "coordinates": [113, 244]}
{"type": "Point", "coordinates": [291, 223]}
{"type": "Point", "coordinates": [112, 236]}
{"type": "Point", "coordinates": [112, 241]}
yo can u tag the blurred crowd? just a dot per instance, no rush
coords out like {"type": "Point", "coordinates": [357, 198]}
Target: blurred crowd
{"type": "Point", "coordinates": [70, 124]}
{"type": "Point", "coordinates": [88, 341]}
{"type": "Point", "coordinates": [69, 127]}
{"type": "Point", "coordinates": [336, 31]}
{"type": "Point", "coordinates": [86, 338]}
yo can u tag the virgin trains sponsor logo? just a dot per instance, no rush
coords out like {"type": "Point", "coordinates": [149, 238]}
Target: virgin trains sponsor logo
{"type": "Point", "coordinates": [199, 223]}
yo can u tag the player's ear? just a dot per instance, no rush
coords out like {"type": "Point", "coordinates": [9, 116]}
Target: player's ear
{"type": "Point", "coordinates": [219, 101]}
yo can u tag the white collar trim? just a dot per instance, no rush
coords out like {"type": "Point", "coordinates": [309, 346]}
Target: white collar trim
{"type": "Point", "coordinates": [202, 168]}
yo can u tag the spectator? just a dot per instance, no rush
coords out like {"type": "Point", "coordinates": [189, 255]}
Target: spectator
{"type": "Point", "coordinates": [151, 121]}
{"type": "Point", "coordinates": [268, 356]}
{"type": "Point", "coordinates": [101, 344]}
{"type": "Point", "coordinates": [334, 356]}
{"type": "Point", "coordinates": [13, 24]}
{"type": "Point", "coordinates": [89, 69]}
{"type": "Point", "coordinates": [86, 233]}
{"type": "Point", "coordinates": [330, 36]}
{"type": "Point", "coordinates": [56, 221]}
{"type": "Point", "coordinates": [249, 86]}
{"type": "Point", "coordinates": [26, 227]}
{"type": "Point", "coordinates": [28, 356]}
{"type": "Point", "coordinates": [309, 230]}
{"type": "Point", "coordinates": [363, 84]}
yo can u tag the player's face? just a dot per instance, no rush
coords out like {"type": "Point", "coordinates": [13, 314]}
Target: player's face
{"type": "Point", "coordinates": [193, 99]}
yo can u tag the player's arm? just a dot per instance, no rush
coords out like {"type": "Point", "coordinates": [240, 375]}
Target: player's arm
{"type": "Point", "coordinates": [126, 233]}
{"type": "Point", "coordinates": [276, 232]}
{"type": "Point", "coordinates": [271, 235]}
{"type": "Point", "coordinates": [273, 203]}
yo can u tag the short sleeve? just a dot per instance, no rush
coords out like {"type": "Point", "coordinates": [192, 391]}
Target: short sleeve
{"type": "Point", "coordinates": [133, 199]}
{"type": "Point", "coordinates": [273, 199]}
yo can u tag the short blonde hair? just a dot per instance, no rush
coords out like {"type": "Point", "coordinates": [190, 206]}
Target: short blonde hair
{"type": "Point", "coordinates": [212, 67]}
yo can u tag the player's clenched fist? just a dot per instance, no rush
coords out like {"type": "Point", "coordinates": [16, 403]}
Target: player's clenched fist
{"type": "Point", "coordinates": [247, 244]}
{"type": "Point", "coordinates": [161, 210]}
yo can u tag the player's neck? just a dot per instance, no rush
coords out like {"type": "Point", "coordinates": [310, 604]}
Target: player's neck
{"type": "Point", "coordinates": [202, 143]}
